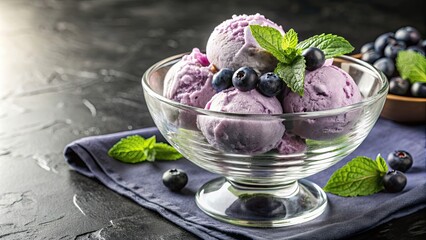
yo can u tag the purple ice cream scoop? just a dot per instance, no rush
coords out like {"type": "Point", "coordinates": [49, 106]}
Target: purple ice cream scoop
{"type": "Point", "coordinates": [326, 88]}
{"type": "Point", "coordinates": [189, 80]}
{"type": "Point", "coordinates": [233, 135]}
{"type": "Point", "coordinates": [232, 45]}
{"type": "Point", "coordinates": [290, 144]}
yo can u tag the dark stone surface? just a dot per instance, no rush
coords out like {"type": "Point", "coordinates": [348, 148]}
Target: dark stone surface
{"type": "Point", "coordinates": [70, 69]}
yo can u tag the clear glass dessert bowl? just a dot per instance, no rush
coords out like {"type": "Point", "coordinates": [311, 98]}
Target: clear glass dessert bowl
{"type": "Point", "coordinates": [265, 189]}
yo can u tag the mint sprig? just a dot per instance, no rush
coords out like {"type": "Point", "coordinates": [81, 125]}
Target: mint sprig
{"type": "Point", "coordinates": [269, 39]}
{"type": "Point", "coordinates": [412, 66]}
{"type": "Point", "coordinates": [331, 45]}
{"type": "Point", "coordinates": [136, 149]}
{"type": "Point", "coordinates": [288, 51]}
{"type": "Point", "coordinates": [292, 73]}
{"type": "Point", "coordinates": [361, 176]}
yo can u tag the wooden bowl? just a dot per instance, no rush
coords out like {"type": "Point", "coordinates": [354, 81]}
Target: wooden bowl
{"type": "Point", "coordinates": [403, 109]}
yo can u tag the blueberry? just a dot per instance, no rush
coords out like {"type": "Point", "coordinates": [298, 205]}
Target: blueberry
{"type": "Point", "coordinates": [416, 49]}
{"type": "Point", "coordinates": [394, 181]}
{"type": "Point", "coordinates": [418, 89]}
{"type": "Point", "coordinates": [245, 79]}
{"type": "Point", "coordinates": [402, 44]}
{"type": "Point", "coordinates": [400, 160]}
{"type": "Point", "coordinates": [423, 45]}
{"type": "Point", "coordinates": [367, 47]}
{"type": "Point", "coordinates": [409, 35]}
{"type": "Point", "coordinates": [270, 84]}
{"type": "Point", "coordinates": [399, 86]}
{"type": "Point", "coordinates": [175, 179]}
{"type": "Point", "coordinates": [222, 79]}
{"type": "Point", "coordinates": [386, 65]}
{"type": "Point", "coordinates": [382, 41]}
{"type": "Point", "coordinates": [370, 56]}
{"type": "Point", "coordinates": [314, 58]}
{"type": "Point", "coordinates": [391, 50]}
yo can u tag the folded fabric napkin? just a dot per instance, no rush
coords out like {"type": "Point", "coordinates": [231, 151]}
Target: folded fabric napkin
{"type": "Point", "coordinates": [342, 218]}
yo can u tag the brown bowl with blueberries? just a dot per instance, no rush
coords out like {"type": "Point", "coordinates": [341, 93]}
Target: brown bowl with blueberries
{"type": "Point", "coordinates": [401, 57]}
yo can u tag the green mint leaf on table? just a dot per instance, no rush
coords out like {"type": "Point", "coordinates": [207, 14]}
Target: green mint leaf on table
{"type": "Point", "coordinates": [331, 45]}
{"type": "Point", "coordinates": [135, 149]}
{"type": "Point", "coordinates": [361, 176]}
{"type": "Point", "coordinates": [289, 40]}
{"type": "Point", "coordinates": [166, 152]}
{"type": "Point", "coordinates": [411, 66]}
{"type": "Point", "coordinates": [293, 75]}
{"type": "Point", "coordinates": [381, 164]}
{"type": "Point", "coordinates": [269, 39]}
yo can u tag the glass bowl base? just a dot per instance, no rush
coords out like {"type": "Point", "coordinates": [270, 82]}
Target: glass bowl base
{"type": "Point", "coordinates": [297, 202]}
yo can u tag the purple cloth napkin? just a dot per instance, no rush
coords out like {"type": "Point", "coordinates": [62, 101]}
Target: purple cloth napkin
{"type": "Point", "coordinates": [342, 218]}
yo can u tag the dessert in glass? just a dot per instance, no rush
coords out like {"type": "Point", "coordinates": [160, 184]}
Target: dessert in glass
{"type": "Point", "coordinates": [261, 144]}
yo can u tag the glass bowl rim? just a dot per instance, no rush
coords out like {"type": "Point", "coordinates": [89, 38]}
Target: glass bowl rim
{"type": "Point", "coordinates": [323, 113]}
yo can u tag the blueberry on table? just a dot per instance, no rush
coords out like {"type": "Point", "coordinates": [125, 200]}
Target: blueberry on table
{"type": "Point", "coordinates": [367, 47]}
{"type": "Point", "coordinates": [175, 179]}
{"type": "Point", "coordinates": [400, 160]}
{"type": "Point", "coordinates": [386, 65]}
{"type": "Point", "coordinates": [314, 58]}
{"type": "Point", "coordinates": [416, 49]}
{"type": "Point", "coordinates": [394, 181]}
{"type": "Point", "coordinates": [270, 84]}
{"type": "Point", "coordinates": [409, 35]}
{"type": "Point", "coordinates": [245, 79]}
{"type": "Point", "coordinates": [382, 41]}
{"type": "Point", "coordinates": [418, 89]}
{"type": "Point", "coordinates": [370, 56]}
{"type": "Point", "coordinates": [399, 86]}
{"type": "Point", "coordinates": [222, 79]}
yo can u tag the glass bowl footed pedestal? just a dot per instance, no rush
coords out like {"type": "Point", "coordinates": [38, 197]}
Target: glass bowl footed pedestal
{"type": "Point", "coordinates": [267, 189]}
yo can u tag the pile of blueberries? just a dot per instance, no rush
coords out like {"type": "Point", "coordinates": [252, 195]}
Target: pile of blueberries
{"type": "Point", "coordinates": [383, 52]}
{"type": "Point", "coordinates": [246, 79]}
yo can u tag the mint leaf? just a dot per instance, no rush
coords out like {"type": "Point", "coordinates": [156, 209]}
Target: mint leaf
{"type": "Point", "coordinates": [381, 165]}
{"type": "Point", "coordinates": [129, 150]}
{"type": "Point", "coordinates": [289, 40]}
{"type": "Point", "coordinates": [164, 151]}
{"type": "Point", "coordinates": [331, 45]}
{"type": "Point", "coordinates": [361, 176]}
{"type": "Point", "coordinates": [135, 149]}
{"type": "Point", "coordinates": [411, 66]}
{"type": "Point", "coordinates": [269, 39]}
{"type": "Point", "coordinates": [293, 74]}
{"type": "Point", "coordinates": [149, 143]}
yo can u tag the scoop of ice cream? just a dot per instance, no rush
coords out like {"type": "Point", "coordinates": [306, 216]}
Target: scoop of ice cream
{"type": "Point", "coordinates": [326, 88]}
{"type": "Point", "coordinates": [291, 144]}
{"type": "Point", "coordinates": [189, 80]}
{"type": "Point", "coordinates": [243, 136]}
{"type": "Point", "coordinates": [232, 45]}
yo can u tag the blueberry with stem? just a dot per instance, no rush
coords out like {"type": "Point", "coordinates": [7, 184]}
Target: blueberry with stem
{"type": "Point", "coordinates": [175, 179]}
{"type": "Point", "coordinates": [400, 160]}
{"type": "Point", "coordinates": [245, 79]}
